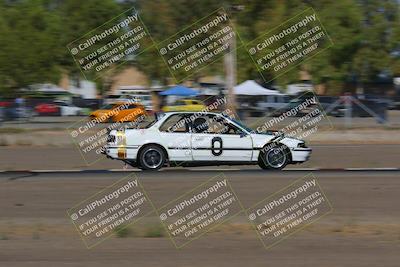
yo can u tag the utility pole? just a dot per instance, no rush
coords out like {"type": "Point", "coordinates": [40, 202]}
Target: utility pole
{"type": "Point", "coordinates": [230, 74]}
{"type": "Point", "coordinates": [230, 63]}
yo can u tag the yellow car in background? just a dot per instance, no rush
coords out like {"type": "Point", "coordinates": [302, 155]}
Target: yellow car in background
{"type": "Point", "coordinates": [185, 105]}
{"type": "Point", "coordinates": [119, 112]}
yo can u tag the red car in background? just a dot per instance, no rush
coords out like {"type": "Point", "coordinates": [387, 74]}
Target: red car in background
{"type": "Point", "coordinates": [6, 104]}
{"type": "Point", "coordinates": [47, 110]}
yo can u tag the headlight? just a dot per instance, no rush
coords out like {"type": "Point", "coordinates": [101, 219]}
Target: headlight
{"type": "Point", "coordinates": [302, 145]}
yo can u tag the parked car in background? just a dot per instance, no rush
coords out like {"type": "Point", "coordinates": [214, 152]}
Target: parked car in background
{"type": "Point", "coordinates": [1, 114]}
{"type": "Point", "coordinates": [139, 94]}
{"type": "Point", "coordinates": [185, 105]}
{"type": "Point", "coordinates": [111, 99]}
{"type": "Point", "coordinates": [10, 111]}
{"type": "Point", "coordinates": [396, 102]}
{"type": "Point", "coordinates": [6, 103]}
{"type": "Point", "coordinates": [47, 109]}
{"type": "Point", "coordinates": [294, 105]}
{"type": "Point", "coordinates": [270, 103]}
{"type": "Point", "coordinates": [67, 109]}
{"type": "Point", "coordinates": [119, 112]}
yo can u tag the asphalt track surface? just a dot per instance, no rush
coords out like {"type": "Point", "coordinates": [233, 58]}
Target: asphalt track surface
{"type": "Point", "coordinates": [362, 229]}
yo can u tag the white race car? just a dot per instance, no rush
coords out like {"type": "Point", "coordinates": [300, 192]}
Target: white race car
{"type": "Point", "coordinates": [202, 139]}
{"type": "Point", "coordinates": [67, 109]}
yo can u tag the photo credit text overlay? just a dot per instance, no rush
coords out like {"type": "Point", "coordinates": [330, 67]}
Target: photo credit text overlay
{"type": "Point", "coordinates": [200, 210]}
{"type": "Point", "coordinates": [289, 210]}
{"type": "Point", "coordinates": [103, 214]}
{"type": "Point", "coordinates": [197, 46]}
{"type": "Point", "coordinates": [289, 44]}
{"type": "Point", "coordinates": [112, 43]}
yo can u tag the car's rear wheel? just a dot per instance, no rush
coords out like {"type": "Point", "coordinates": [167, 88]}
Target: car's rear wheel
{"type": "Point", "coordinates": [275, 158]}
{"type": "Point", "coordinates": [151, 157]}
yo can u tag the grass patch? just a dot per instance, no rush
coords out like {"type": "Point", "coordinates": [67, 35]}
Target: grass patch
{"type": "Point", "coordinates": [3, 237]}
{"type": "Point", "coordinates": [35, 235]}
{"type": "Point", "coordinates": [23, 142]}
{"type": "Point", "coordinates": [156, 230]}
{"type": "Point", "coordinates": [12, 130]}
{"type": "Point", "coordinates": [151, 231]}
{"type": "Point", "coordinates": [122, 231]}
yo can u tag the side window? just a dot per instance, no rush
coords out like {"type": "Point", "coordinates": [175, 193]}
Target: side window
{"type": "Point", "coordinates": [175, 124]}
{"type": "Point", "coordinates": [228, 128]}
{"type": "Point", "coordinates": [212, 124]}
{"type": "Point", "coordinates": [201, 124]}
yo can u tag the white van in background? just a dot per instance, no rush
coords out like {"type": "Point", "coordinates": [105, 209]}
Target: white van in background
{"type": "Point", "coordinates": [269, 103]}
{"type": "Point", "coordinates": [298, 88]}
{"type": "Point", "coordinates": [128, 93]}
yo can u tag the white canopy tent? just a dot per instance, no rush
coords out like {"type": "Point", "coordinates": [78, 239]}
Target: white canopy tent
{"type": "Point", "coordinates": [250, 87]}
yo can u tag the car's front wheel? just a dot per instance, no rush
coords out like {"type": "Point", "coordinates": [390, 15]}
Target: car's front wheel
{"type": "Point", "coordinates": [151, 157]}
{"type": "Point", "coordinates": [275, 158]}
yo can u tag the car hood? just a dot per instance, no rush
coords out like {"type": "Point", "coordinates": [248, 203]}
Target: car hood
{"type": "Point", "coordinates": [260, 139]}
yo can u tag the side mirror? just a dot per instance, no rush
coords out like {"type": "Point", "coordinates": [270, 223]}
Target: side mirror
{"type": "Point", "coordinates": [243, 134]}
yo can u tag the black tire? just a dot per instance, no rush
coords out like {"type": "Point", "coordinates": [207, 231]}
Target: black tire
{"type": "Point", "coordinates": [275, 158]}
{"type": "Point", "coordinates": [151, 157]}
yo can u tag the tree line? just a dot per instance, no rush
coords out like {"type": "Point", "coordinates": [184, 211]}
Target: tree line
{"type": "Point", "coordinates": [34, 35]}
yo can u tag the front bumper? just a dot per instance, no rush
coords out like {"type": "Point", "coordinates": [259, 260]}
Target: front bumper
{"type": "Point", "coordinates": [300, 154]}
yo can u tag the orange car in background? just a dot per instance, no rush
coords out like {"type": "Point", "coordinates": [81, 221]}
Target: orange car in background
{"type": "Point", "coordinates": [119, 112]}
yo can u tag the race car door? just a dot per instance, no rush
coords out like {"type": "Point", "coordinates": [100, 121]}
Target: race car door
{"type": "Point", "coordinates": [216, 139]}
{"type": "Point", "coordinates": [175, 135]}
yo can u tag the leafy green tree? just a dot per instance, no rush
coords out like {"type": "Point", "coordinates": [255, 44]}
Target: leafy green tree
{"type": "Point", "coordinates": [379, 37]}
{"type": "Point", "coordinates": [35, 34]}
{"type": "Point", "coordinates": [29, 44]}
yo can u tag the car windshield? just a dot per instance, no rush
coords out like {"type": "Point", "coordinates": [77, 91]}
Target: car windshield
{"type": "Point", "coordinates": [241, 125]}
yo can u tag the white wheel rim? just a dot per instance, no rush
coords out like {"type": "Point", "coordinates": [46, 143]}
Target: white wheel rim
{"type": "Point", "coordinates": [275, 157]}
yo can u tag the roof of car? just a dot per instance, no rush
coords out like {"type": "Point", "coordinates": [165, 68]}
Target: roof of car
{"type": "Point", "coordinates": [170, 113]}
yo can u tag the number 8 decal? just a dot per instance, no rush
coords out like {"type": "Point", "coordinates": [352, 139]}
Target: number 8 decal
{"type": "Point", "coordinates": [216, 151]}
